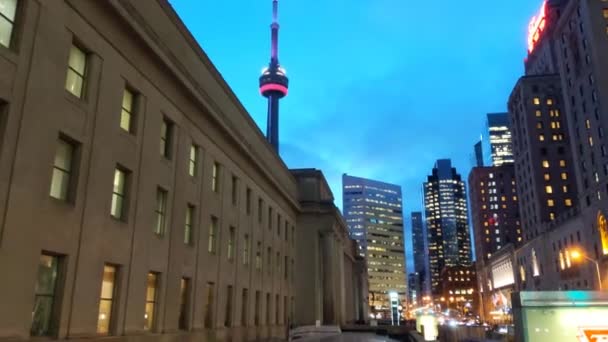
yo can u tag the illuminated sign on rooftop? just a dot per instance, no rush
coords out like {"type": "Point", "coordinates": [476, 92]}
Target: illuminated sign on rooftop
{"type": "Point", "coordinates": [537, 27]}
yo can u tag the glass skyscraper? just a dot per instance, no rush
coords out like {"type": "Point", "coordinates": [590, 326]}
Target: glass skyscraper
{"type": "Point", "coordinates": [374, 214]}
{"type": "Point", "coordinates": [447, 226]}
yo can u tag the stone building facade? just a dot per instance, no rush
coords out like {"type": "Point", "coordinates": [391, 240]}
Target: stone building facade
{"type": "Point", "coordinates": [138, 199]}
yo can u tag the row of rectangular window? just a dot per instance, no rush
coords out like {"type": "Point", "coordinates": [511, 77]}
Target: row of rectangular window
{"type": "Point", "coordinates": [49, 282]}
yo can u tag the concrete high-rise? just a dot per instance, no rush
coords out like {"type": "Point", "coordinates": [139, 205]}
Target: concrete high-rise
{"type": "Point", "coordinates": [374, 213]}
{"type": "Point", "coordinates": [500, 139]}
{"type": "Point", "coordinates": [445, 202]}
{"type": "Point", "coordinates": [419, 251]}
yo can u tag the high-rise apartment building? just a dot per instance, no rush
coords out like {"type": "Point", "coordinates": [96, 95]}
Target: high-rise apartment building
{"type": "Point", "coordinates": [374, 213]}
{"type": "Point", "coordinates": [499, 138]}
{"type": "Point", "coordinates": [446, 212]}
{"type": "Point", "coordinates": [494, 209]}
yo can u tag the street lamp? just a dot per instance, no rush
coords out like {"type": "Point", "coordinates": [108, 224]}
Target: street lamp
{"type": "Point", "coordinates": [576, 255]}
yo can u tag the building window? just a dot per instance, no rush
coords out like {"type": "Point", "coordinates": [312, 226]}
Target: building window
{"type": "Point", "coordinates": [61, 182]}
{"type": "Point", "coordinates": [209, 306]}
{"type": "Point", "coordinates": [106, 299]}
{"type": "Point", "coordinates": [564, 188]}
{"type": "Point", "coordinates": [270, 218]}
{"type": "Point", "coordinates": [213, 228]}
{"type": "Point", "coordinates": [541, 137]}
{"type": "Point", "coordinates": [160, 212]}
{"type": "Point", "coordinates": [538, 113]}
{"type": "Point", "coordinates": [188, 226]}
{"type": "Point", "coordinates": [537, 101]}
{"type": "Point", "coordinates": [257, 308]}
{"type": "Point", "coordinates": [268, 307]}
{"type": "Point", "coordinates": [564, 176]}
{"type": "Point", "coordinates": [605, 12]}
{"type": "Point", "coordinates": [549, 102]}
{"type": "Point", "coordinates": [258, 256]}
{"type": "Point", "coordinates": [45, 314]}
{"type": "Point", "coordinates": [562, 163]}
{"type": "Point", "coordinates": [549, 189]}
{"type": "Point", "coordinates": [248, 201]}
{"type": "Point", "coordinates": [246, 250]}
{"type": "Point", "coordinates": [235, 190]}
{"type": "Point", "coordinates": [551, 216]}
{"type": "Point", "coordinates": [184, 299]}
{"type": "Point", "coordinates": [166, 138]}
{"type": "Point", "coordinates": [269, 260]}
{"type": "Point", "coordinates": [279, 225]}
{"type": "Point", "coordinates": [286, 266]}
{"type": "Point", "coordinates": [535, 269]}
{"type": "Point", "coordinates": [150, 309]}
{"type": "Point", "coordinates": [568, 202]}
{"type": "Point", "coordinates": [244, 307]}
{"type": "Point", "coordinates": [126, 113]}
{"type": "Point", "coordinates": [547, 177]}
{"type": "Point", "coordinates": [193, 162]}
{"type": "Point", "coordinates": [215, 177]}
{"type": "Point", "coordinates": [260, 209]}
{"type": "Point", "coordinates": [231, 235]}
{"type": "Point", "coordinates": [228, 317]}
{"type": "Point", "coordinates": [545, 164]}
{"type": "Point", "coordinates": [77, 68]}
{"type": "Point", "coordinates": [550, 203]}
{"type": "Point", "coordinates": [8, 10]}
{"type": "Point", "coordinates": [119, 194]}
{"type": "Point", "coordinates": [602, 226]}
{"type": "Point", "coordinates": [278, 264]}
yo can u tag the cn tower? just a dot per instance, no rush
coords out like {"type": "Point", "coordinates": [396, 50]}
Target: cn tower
{"type": "Point", "coordinates": [274, 82]}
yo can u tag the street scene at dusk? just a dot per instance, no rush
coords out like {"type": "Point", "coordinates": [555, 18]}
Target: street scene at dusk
{"type": "Point", "coordinates": [282, 170]}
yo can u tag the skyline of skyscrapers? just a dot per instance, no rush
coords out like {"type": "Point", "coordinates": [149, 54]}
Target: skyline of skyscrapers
{"type": "Point", "coordinates": [446, 213]}
{"type": "Point", "coordinates": [373, 211]}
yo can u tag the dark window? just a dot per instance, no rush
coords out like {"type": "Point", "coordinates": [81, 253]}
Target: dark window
{"type": "Point", "coordinates": [209, 305]}
{"type": "Point", "coordinates": [228, 317]}
{"type": "Point", "coordinates": [45, 315]}
{"type": "Point", "coordinates": [184, 300]}
{"type": "Point", "coordinates": [166, 138]}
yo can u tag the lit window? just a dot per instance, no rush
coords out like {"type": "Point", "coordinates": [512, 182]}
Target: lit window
{"type": "Point", "coordinates": [77, 67]}
{"type": "Point", "coordinates": [62, 170]}
{"type": "Point", "coordinates": [150, 309]}
{"type": "Point", "coordinates": [605, 12]}
{"type": "Point", "coordinates": [602, 226]}
{"type": "Point", "coordinates": [215, 175]}
{"type": "Point", "coordinates": [166, 138]}
{"type": "Point", "coordinates": [564, 188]}
{"type": "Point", "coordinates": [549, 102]}
{"type": "Point", "coordinates": [213, 227]}
{"type": "Point", "coordinates": [189, 224]}
{"type": "Point", "coordinates": [8, 9]}
{"type": "Point", "coordinates": [126, 113]}
{"type": "Point", "coordinates": [549, 189]}
{"type": "Point", "coordinates": [568, 202]}
{"type": "Point", "coordinates": [562, 163]}
{"type": "Point", "coordinates": [564, 175]}
{"type": "Point", "coordinates": [106, 300]}
{"type": "Point", "coordinates": [547, 176]}
{"type": "Point", "coordinates": [550, 203]}
{"type": "Point", "coordinates": [546, 164]}
{"type": "Point", "coordinates": [193, 163]}
{"type": "Point", "coordinates": [535, 269]}
{"type": "Point", "coordinates": [536, 101]}
{"type": "Point", "coordinates": [541, 137]}
{"type": "Point", "coordinates": [539, 125]}
{"type": "Point", "coordinates": [119, 194]}
{"type": "Point", "coordinates": [588, 124]}
{"type": "Point", "coordinates": [44, 314]}
{"type": "Point", "coordinates": [551, 216]}
{"type": "Point", "coordinates": [538, 113]}
{"type": "Point", "coordinates": [590, 141]}
{"type": "Point", "coordinates": [160, 211]}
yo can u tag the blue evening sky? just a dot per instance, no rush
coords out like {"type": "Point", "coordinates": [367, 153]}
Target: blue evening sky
{"type": "Point", "coordinates": [379, 88]}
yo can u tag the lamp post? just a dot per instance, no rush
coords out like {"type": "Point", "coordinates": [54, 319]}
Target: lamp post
{"type": "Point", "coordinates": [578, 255]}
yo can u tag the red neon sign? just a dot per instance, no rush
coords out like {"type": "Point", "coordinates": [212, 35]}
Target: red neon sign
{"type": "Point", "coordinates": [536, 27]}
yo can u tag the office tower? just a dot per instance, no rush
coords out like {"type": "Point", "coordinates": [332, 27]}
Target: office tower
{"type": "Point", "coordinates": [500, 141]}
{"type": "Point", "coordinates": [274, 82]}
{"type": "Point", "coordinates": [373, 213]}
{"type": "Point", "coordinates": [494, 209]}
{"type": "Point", "coordinates": [420, 252]}
{"type": "Point", "coordinates": [543, 157]}
{"type": "Point", "coordinates": [446, 213]}
{"type": "Point", "coordinates": [477, 157]}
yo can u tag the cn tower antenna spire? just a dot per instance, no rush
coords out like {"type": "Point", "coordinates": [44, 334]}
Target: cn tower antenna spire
{"type": "Point", "coordinates": [274, 82]}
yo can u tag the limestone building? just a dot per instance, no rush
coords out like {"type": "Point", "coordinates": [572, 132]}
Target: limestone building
{"type": "Point", "coordinates": [137, 196]}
